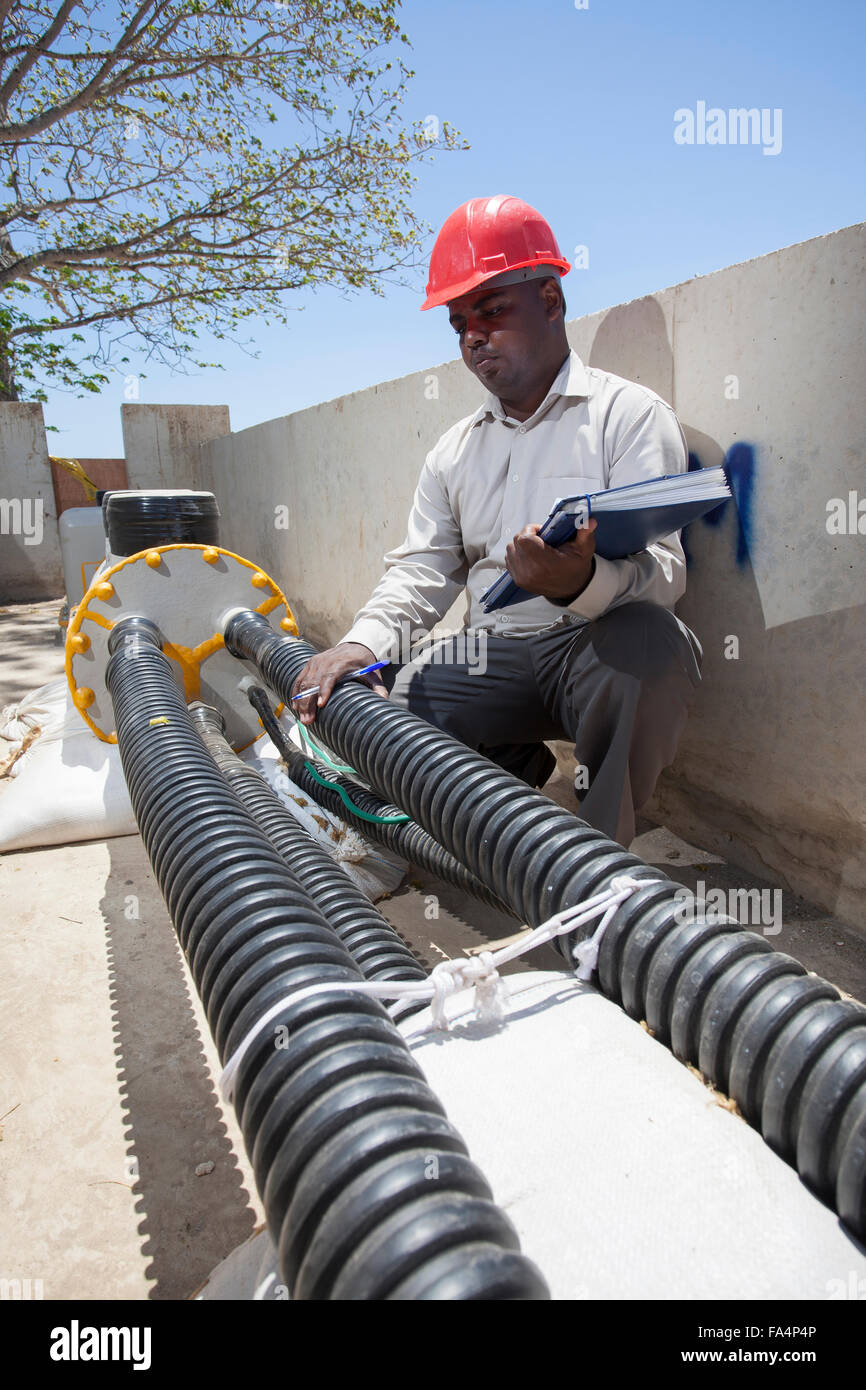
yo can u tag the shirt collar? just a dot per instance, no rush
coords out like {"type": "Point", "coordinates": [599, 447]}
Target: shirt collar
{"type": "Point", "coordinates": [571, 381]}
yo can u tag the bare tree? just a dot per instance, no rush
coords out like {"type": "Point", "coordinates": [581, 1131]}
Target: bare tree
{"type": "Point", "coordinates": [178, 166]}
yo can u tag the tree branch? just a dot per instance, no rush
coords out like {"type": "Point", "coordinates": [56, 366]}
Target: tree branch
{"type": "Point", "coordinates": [41, 46]}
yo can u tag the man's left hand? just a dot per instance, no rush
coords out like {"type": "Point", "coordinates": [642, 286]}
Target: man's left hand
{"type": "Point", "coordinates": [559, 573]}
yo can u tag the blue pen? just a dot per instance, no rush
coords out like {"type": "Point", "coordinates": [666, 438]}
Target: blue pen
{"type": "Point", "coordinates": [365, 670]}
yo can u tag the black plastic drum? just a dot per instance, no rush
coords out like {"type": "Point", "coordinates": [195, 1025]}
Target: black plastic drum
{"type": "Point", "coordinates": [136, 521]}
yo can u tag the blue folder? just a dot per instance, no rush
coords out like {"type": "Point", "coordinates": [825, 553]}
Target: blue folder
{"type": "Point", "coordinates": [621, 529]}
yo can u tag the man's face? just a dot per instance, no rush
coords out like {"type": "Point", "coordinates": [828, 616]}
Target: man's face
{"type": "Point", "coordinates": [507, 335]}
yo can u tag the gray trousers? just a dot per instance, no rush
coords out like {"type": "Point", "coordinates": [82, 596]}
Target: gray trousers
{"type": "Point", "coordinates": [617, 687]}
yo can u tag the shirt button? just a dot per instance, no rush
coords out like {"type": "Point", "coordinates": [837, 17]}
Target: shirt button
{"type": "Point", "coordinates": [515, 478]}
{"type": "Point", "coordinates": [521, 429]}
{"type": "Point", "coordinates": [506, 620]}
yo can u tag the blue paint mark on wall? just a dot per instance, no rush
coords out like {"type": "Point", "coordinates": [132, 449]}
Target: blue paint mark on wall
{"type": "Point", "coordinates": [739, 466]}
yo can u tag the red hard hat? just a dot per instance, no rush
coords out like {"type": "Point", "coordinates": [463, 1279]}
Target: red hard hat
{"type": "Point", "coordinates": [487, 237]}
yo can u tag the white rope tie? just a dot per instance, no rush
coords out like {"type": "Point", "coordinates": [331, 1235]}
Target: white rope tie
{"type": "Point", "coordinates": [480, 972]}
{"type": "Point", "coordinates": [469, 972]}
{"type": "Point", "coordinates": [585, 953]}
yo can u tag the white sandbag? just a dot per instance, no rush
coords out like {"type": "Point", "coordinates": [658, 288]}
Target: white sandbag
{"type": "Point", "coordinates": [249, 1272]}
{"type": "Point", "coordinates": [67, 789]}
{"type": "Point", "coordinates": [44, 713]}
{"type": "Point", "coordinates": [621, 1171]}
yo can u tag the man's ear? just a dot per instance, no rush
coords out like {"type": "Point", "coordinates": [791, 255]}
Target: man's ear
{"type": "Point", "coordinates": [552, 298]}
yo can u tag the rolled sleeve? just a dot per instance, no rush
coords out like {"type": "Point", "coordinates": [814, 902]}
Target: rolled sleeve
{"type": "Point", "coordinates": [377, 636]}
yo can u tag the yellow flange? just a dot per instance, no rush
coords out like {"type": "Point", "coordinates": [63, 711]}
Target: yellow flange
{"type": "Point", "coordinates": [189, 659]}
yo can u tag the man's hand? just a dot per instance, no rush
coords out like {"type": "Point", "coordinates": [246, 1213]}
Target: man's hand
{"type": "Point", "coordinates": [325, 669]}
{"type": "Point", "coordinates": [558, 573]}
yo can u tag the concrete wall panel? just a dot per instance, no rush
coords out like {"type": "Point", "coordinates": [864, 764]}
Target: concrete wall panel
{"type": "Point", "coordinates": [30, 566]}
{"type": "Point", "coordinates": [161, 442]}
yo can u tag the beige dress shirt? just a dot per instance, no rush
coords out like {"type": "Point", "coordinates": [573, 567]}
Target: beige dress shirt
{"type": "Point", "coordinates": [490, 475]}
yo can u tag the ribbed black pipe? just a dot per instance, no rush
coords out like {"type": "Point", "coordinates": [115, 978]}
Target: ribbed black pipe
{"type": "Point", "coordinates": [404, 838]}
{"type": "Point", "coordinates": [788, 1050]}
{"type": "Point", "coordinates": [335, 1111]}
{"type": "Point", "coordinates": [373, 943]}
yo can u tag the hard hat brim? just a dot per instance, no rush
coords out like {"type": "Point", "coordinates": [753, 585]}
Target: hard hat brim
{"type": "Point", "coordinates": [478, 278]}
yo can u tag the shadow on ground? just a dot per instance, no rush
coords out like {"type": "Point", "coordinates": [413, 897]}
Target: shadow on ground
{"type": "Point", "coordinates": [173, 1121]}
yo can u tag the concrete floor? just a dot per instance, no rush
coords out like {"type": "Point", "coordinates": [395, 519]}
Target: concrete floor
{"type": "Point", "coordinates": [123, 1176]}
{"type": "Point", "coordinates": [32, 645]}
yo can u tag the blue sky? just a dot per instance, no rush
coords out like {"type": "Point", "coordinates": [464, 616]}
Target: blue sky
{"type": "Point", "coordinates": [573, 110]}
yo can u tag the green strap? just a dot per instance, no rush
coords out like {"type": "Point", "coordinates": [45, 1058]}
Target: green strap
{"type": "Point", "coordinates": [399, 819]}
{"type": "Point", "coordinates": [319, 752]}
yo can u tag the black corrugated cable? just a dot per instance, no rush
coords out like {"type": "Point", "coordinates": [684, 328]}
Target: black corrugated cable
{"type": "Point", "coordinates": [340, 1118]}
{"type": "Point", "coordinates": [786, 1048]}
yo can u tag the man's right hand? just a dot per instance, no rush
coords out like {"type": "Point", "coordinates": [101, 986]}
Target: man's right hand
{"type": "Point", "coordinates": [325, 669]}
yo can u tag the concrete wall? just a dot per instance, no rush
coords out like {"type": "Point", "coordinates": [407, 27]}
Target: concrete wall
{"type": "Point", "coordinates": [342, 474]}
{"type": "Point", "coordinates": [30, 565]}
{"type": "Point", "coordinates": [163, 449]}
{"type": "Point", "coordinates": [764, 363]}
{"type": "Point", "coordinates": [162, 442]}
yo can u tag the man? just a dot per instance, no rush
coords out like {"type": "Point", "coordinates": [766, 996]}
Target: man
{"type": "Point", "coordinates": [597, 655]}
